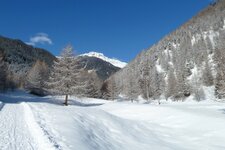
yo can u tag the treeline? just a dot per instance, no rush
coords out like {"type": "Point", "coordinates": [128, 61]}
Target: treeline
{"type": "Point", "coordinates": [17, 59]}
{"type": "Point", "coordinates": [65, 77]}
{"type": "Point", "coordinates": [7, 80]}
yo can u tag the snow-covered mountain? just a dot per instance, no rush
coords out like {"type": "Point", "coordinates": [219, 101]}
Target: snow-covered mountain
{"type": "Point", "coordinates": [103, 68]}
{"type": "Point", "coordinates": [113, 61]}
{"type": "Point", "coordinates": [18, 59]}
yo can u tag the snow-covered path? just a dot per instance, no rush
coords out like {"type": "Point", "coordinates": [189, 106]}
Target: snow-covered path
{"type": "Point", "coordinates": [19, 130]}
{"type": "Point", "coordinates": [13, 129]}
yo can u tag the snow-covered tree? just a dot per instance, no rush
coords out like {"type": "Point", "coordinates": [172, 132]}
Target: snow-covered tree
{"type": "Point", "coordinates": [144, 80]}
{"type": "Point", "coordinates": [171, 87]}
{"type": "Point", "coordinates": [65, 75]}
{"type": "Point", "coordinates": [220, 85]}
{"type": "Point", "coordinates": [182, 87]}
{"type": "Point", "coordinates": [93, 84]}
{"type": "Point", "coordinates": [36, 78]}
{"type": "Point", "coordinates": [105, 94]}
{"type": "Point", "coordinates": [197, 89]}
{"type": "Point", "coordinates": [113, 89]}
{"type": "Point", "coordinates": [178, 53]}
{"type": "Point", "coordinates": [109, 89]}
{"type": "Point", "coordinates": [207, 76]}
{"type": "Point", "coordinates": [155, 82]}
{"type": "Point", "coordinates": [132, 87]}
{"type": "Point", "coordinates": [159, 86]}
{"type": "Point", "coordinates": [219, 58]}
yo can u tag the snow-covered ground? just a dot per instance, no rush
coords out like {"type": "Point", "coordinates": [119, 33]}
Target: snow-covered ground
{"type": "Point", "coordinates": [29, 122]}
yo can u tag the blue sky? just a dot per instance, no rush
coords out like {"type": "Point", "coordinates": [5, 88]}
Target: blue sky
{"type": "Point", "coordinates": [117, 28]}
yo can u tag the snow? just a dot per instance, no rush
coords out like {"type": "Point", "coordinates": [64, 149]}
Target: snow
{"type": "Point", "coordinates": [176, 45]}
{"type": "Point", "coordinates": [195, 39]}
{"type": "Point", "coordinates": [168, 52]}
{"type": "Point", "coordinates": [30, 122]}
{"type": "Point", "coordinates": [13, 132]}
{"type": "Point", "coordinates": [210, 33]}
{"type": "Point", "coordinates": [224, 25]}
{"type": "Point", "coordinates": [194, 72]}
{"type": "Point", "coordinates": [113, 61]}
{"type": "Point", "coordinates": [209, 93]}
{"type": "Point", "coordinates": [170, 55]}
{"type": "Point", "coordinates": [171, 64]}
{"type": "Point", "coordinates": [36, 130]}
{"type": "Point", "coordinates": [159, 67]}
{"type": "Point", "coordinates": [212, 65]}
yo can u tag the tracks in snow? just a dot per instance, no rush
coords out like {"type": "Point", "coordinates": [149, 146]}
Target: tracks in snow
{"type": "Point", "coordinates": [19, 130]}
{"type": "Point", "coordinates": [13, 129]}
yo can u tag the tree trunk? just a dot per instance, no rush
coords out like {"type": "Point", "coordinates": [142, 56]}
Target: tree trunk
{"type": "Point", "coordinates": [159, 102]}
{"type": "Point", "coordinates": [66, 100]}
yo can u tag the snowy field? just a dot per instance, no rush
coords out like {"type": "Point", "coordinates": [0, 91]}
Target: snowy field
{"type": "Point", "coordinates": [29, 123]}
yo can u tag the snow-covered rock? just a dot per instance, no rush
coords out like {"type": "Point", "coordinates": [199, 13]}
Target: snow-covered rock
{"type": "Point", "coordinates": [113, 61]}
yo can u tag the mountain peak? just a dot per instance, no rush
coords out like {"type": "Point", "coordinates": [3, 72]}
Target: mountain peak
{"type": "Point", "coordinates": [113, 61]}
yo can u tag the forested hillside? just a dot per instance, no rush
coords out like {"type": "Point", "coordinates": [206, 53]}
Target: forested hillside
{"type": "Point", "coordinates": [17, 58]}
{"type": "Point", "coordinates": [183, 63]}
{"type": "Point", "coordinates": [24, 66]}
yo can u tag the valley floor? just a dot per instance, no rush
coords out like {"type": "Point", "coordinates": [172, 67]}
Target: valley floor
{"type": "Point", "coordinates": [29, 122]}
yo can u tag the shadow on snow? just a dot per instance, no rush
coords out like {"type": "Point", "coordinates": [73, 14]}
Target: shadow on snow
{"type": "Point", "coordinates": [222, 110]}
{"type": "Point", "coordinates": [21, 96]}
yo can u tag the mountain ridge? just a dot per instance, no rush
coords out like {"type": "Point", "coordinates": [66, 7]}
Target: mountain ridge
{"type": "Point", "coordinates": [19, 58]}
{"type": "Point", "coordinates": [113, 61]}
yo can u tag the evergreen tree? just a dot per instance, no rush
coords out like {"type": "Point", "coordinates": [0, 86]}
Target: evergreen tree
{"type": "Point", "coordinates": [132, 90]}
{"type": "Point", "coordinates": [220, 85]}
{"type": "Point", "coordinates": [65, 75]}
{"type": "Point", "coordinates": [144, 80]}
{"type": "Point", "coordinates": [93, 84]}
{"type": "Point", "coordinates": [197, 89]}
{"type": "Point", "coordinates": [171, 87]}
{"type": "Point", "coordinates": [37, 77]}
{"type": "Point", "coordinates": [207, 76]}
{"type": "Point", "coordinates": [155, 82]}
{"type": "Point", "coordinates": [112, 88]}
{"type": "Point", "coordinates": [219, 57]}
{"type": "Point", "coordinates": [105, 93]}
